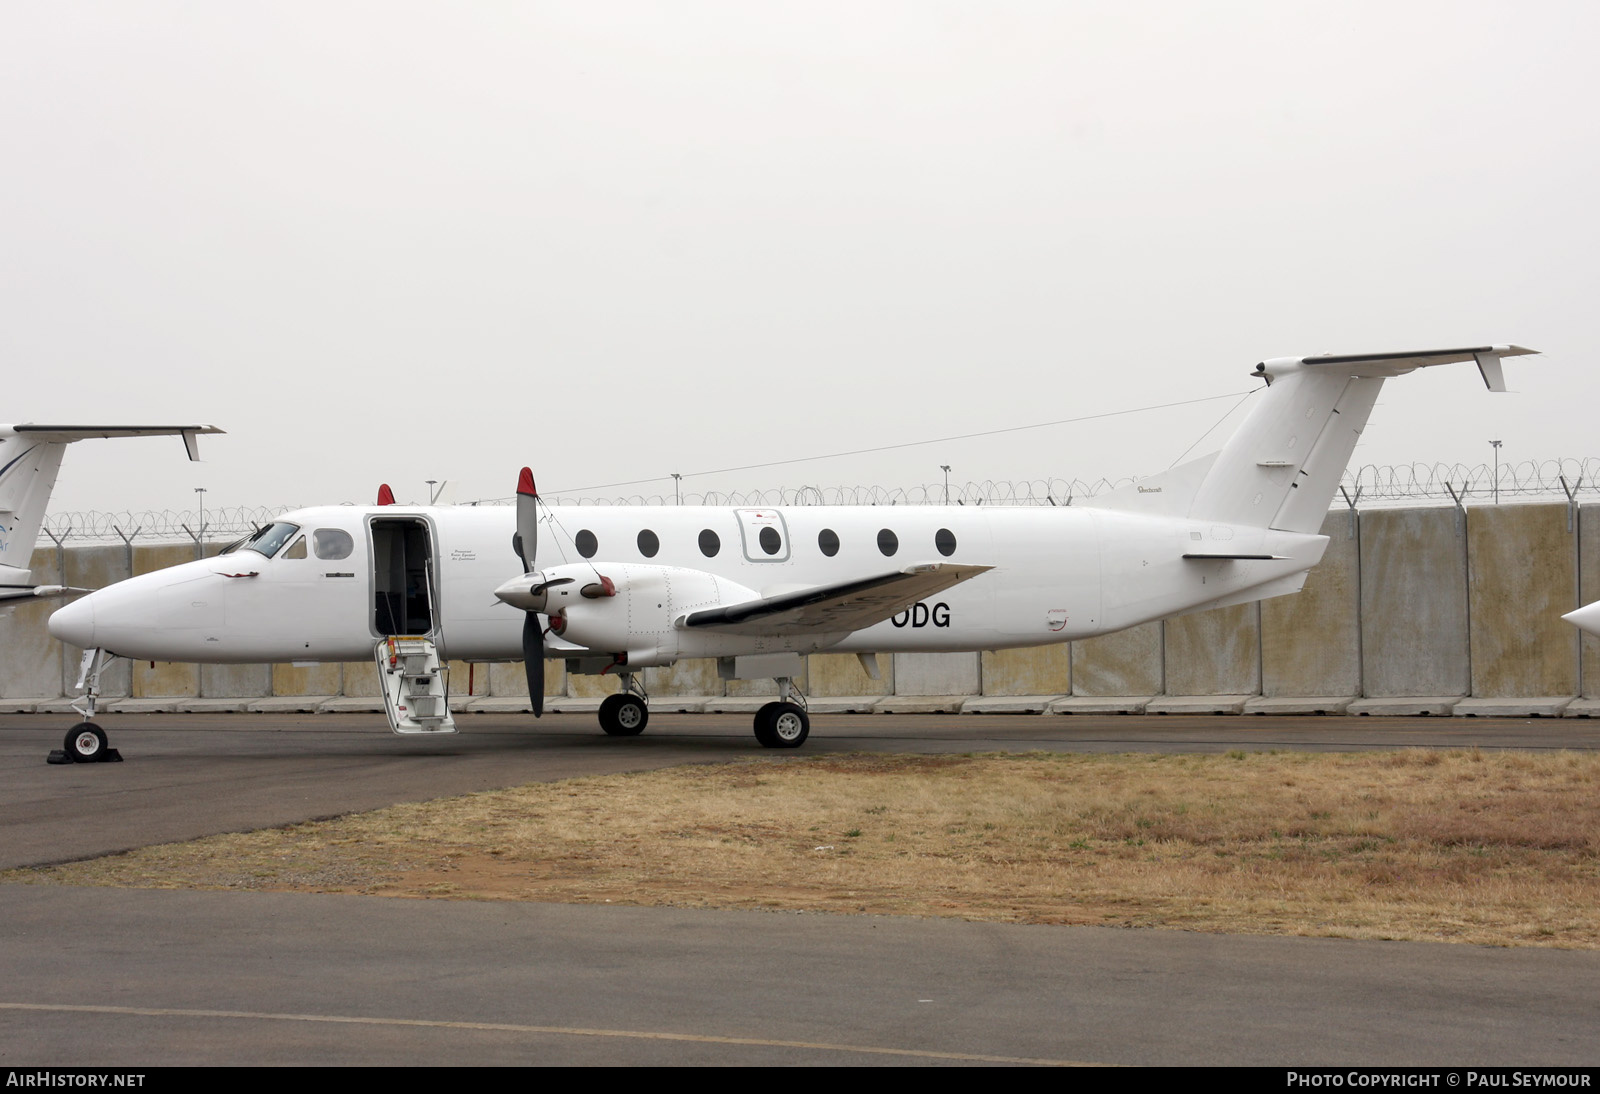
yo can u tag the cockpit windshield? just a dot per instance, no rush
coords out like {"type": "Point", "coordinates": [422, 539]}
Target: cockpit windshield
{"type": "Point", "coordinates": [269, 540]}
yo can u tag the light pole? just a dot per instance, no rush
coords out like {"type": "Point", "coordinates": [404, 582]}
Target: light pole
{"type": "Point", "coordinates": [202, 492]}
{"type": "Point", "coordinates": [946, 469]}
{"type": "Point", "coordinates": [677, 492]}
{"type": "Point", "coordinates": [1496, 471]}
{"type": "Point", "coordinates": [431, 494]}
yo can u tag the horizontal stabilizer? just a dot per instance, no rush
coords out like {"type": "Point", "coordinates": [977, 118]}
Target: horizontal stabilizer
{"type": "Point", "coordinates": [841, 607]}
{"type": "Point", "coordinates": [1404, 361]}
{"type": "Point", "coordinates": [63, 434]}
{"type": "Point", "coordinates": [10, 593]}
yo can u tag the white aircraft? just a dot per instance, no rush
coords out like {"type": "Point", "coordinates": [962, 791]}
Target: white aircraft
{"type": "Point", "coordinates": [30, 458]}
{"type": "Point", "coordinates": [621, 589]}
{"type": "Point", "coordinates": [1586, 618]}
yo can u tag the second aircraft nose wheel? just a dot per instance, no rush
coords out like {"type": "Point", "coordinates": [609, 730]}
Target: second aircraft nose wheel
{"type": "Point", "coordinates": [782, 725]}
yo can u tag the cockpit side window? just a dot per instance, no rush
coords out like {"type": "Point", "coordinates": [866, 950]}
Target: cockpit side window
{"type": "Point", "coordinates": [270, 539]}
{"type": "Point", "coordinates": [332, 543]}
{"type": "Point", "coordinates": [298, 550]}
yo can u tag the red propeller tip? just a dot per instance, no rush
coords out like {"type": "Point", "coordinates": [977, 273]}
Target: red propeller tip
{"type": "Point", "coordinates": [525, 483]}
{"type": "Point", "coordinates": [385, 495]}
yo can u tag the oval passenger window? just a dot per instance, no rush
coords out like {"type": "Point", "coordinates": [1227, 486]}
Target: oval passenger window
{"type": "Point", "coordinates": [586, 544]}
{"type": "Point", "coordinates": [648, 543]}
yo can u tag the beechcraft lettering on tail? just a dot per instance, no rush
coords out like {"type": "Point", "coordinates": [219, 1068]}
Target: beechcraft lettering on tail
{"type": "Point", "coordinates": [617, 590]}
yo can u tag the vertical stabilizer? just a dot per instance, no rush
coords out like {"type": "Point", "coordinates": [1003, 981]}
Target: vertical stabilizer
{"type": "Point", "coordinates": [28, 470]}
{"type": "Point", "coordinates": [1282, 466]}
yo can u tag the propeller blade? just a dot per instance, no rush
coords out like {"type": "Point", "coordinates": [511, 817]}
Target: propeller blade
{"type": "Point", "coordinates": [527, 539]}
{"type": "Point", "coordinates": [533, 660]}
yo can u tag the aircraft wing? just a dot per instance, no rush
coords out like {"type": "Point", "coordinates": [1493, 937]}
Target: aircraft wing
{"type": "Point", "coordinates": [843, 606]}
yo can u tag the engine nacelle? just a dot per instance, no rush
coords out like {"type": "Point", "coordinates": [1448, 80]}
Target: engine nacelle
{"type": "Point", "coordinates": [621, 608]}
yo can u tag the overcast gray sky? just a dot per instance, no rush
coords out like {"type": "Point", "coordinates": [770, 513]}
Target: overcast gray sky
{"type": "Point", "coordinates": [400, 241]}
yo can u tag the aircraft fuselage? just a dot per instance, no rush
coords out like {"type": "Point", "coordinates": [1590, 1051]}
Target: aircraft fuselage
{"type": "Point", "coordinates": [341, 577]}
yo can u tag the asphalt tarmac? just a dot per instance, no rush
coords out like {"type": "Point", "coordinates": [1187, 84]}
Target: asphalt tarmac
{"type": "Point", "coordinates": [127, 978]}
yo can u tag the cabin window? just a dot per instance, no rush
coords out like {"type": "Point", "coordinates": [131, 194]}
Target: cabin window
{"type": "Point", "coordinates": [945, 540]}
{"type": "Point", "coordinates": [649, 544]}
{"type": "Point", "coordinates": [828, 542]}
{"type": "Point", "coordinates": [771, 542]}
{"type": "Point", "coordinates": [586, 544]}
{"type": "Point", "coordinates": [298, 550]}
{"type": "Point", "coordinates": [332, 544]}
{"type": "Point", "coordinates": [888, 542]}
{"type": "Point", "coordinates": [710, 543]}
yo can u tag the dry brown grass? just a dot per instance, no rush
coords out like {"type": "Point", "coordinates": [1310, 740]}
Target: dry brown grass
{"type": "Point", "coordinates": [1497, 848]}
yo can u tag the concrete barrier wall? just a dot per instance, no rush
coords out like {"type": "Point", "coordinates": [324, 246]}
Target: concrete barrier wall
{"type": "Point", "coordinates": [1311, 641]}
{"type": "Point", "coordinates": [1588, 593]}
{"type": "Point", "coordinates": [1215, 652]}
{"type": "Point", "coordinates": [1414, 603]}
{"type": "Point", "coordinates": [1041, 670]}
{"type": "Point", "coordinates": [1418, 602]}
{"type": "Point", "coordinates": [1522, 574]}
{"type": "Point", "coordinates": [31, 665]}
{"type": "Point", "coordinates": [1126, 663]}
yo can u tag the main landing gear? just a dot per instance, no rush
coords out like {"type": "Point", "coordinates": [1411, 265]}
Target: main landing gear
{"type": "Point", "coordinates": [784, 724]}
{"type": "Point", "coordinates": [781, 724]}
{"type": "Point", "coordinates": [626, 713]}
{"type": "Point", "coordinates": [86, 743]}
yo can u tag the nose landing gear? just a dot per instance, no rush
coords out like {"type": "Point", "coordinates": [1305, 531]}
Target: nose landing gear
{"type": "Point", "coordinates": [86, 743]}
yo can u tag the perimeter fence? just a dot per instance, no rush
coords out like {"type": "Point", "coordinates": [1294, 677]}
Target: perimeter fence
{"type": "Point", "coordinates": [1369, 486]}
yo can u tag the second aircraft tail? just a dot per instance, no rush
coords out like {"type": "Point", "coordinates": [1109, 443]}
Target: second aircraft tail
{"type": "Point", "coordinates": [30, 457]}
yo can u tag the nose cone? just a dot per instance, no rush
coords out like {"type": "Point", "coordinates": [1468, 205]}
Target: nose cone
{"type": "Point", "coordinates": [74, 623]}
{"type": "Point", "coordinates": [525, 591]}
{"type": "Point", "coordinates": [1586, 618]}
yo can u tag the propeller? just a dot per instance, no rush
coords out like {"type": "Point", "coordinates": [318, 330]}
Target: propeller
{"type": "Point", "coordinates": [530, 592]}
{"type": "Point", "coordinates": [526, 544]}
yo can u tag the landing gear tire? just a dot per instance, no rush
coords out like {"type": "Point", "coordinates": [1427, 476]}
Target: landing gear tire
{"type": "Point", "coordinates": [764, 718]}
{"type": "Point", "coordinates": [86, 743]}
{"type": "Point", "coordinates": [623, 715]}
{"type": "Point", "coordinates": [782, 725]}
